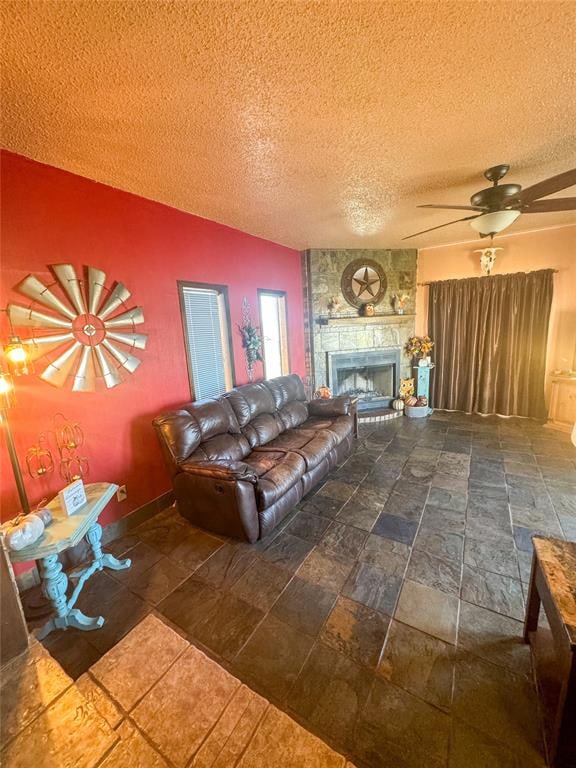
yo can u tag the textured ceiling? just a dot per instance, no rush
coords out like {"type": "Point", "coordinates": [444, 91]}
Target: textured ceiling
{"type": "Point", "coordinates": [309, 123]}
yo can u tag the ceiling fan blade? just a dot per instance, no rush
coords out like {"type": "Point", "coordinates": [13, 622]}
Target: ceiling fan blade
{"type": "Point", "coordinates": [453, 207]}
{"type": "Point", "coordinates": [466, 218]}
{"type": "Point", "coordinates": [544, 206]}
{"type": "Point", "coordinates": [546, 187]}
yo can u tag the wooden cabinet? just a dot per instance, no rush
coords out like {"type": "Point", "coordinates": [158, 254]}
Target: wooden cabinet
{"type": "Point", "coordinates": [562, 410]}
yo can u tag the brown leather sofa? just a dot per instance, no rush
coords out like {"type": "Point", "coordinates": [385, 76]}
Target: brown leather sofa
{"type": "Point", "coordinates": [241, 462]}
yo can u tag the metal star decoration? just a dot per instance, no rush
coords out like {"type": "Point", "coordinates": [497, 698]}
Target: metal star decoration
{"type": "Point", "coordinates": [363, 281]}
{"type": "Point", "coordinates": [366, 282]}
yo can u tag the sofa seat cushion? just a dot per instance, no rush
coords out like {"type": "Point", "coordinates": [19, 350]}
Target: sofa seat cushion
{"type": "Point", "coordinates": [277, 472]}
{"type": "Point", "coordinates": [341, 426]}
{"type": "Point", "coordinates": [291, 440]}
{"type": "Point", "coordinates": [312, 445]}
{"type": "Point", "coordinates": [321, 446]}
{"type": "Point", "coordinates": [262, 462]}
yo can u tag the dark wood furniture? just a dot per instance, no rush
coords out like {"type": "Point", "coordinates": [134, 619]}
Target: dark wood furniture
{"type": "Point", "coordinates": [553, 585]}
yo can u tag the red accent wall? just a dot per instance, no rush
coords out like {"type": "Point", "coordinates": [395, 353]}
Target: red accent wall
{"type": "Point", "coordinates": [50, 216]}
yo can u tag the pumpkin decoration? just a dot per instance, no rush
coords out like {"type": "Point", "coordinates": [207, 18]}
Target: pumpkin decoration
{"type": "Point", "coordinates": [366, 310]}
{"type": "Point", "coordinates": [422, 400]}
{"type": "Point", "coordinates": [398, 404]}
{"type": "Point", "coordinates": [324, 393]}
{"type": "Point", "coordinates": [410, 400]}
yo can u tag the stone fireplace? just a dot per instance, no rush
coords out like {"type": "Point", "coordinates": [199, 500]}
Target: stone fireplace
{"type": "Point", "coordinates": [349, 352]}
{"type": "Point", "coordinates": [371, 375]}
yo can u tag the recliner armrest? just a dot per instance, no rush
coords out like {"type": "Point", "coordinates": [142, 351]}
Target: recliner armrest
{"type": "Point", "coordinates": [335, 406]}
{"type": "Point", "coordinates": [220, 470]}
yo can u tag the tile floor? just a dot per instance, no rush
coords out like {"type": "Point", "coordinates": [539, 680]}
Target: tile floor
{"type": "Point", "coordinates": [152, 701]}
{"type": "Point", "coordinates": [385, 613]}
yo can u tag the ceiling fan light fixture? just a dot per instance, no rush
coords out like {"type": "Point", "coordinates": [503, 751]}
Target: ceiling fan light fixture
{"type": "Point", "coordinates": [494, 222]}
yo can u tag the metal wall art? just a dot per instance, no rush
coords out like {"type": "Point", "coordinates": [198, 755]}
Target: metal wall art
{"type": "Point", "coordinates": [69, 438]}
{"type": "Point", "coordinates": [89, 333]}
{"type": "Point", "coordinates": [65, 441]}
{"type": "Point", "coordinates": [363, 282]}
{"type": "Point", "coordinates": [39, 459]}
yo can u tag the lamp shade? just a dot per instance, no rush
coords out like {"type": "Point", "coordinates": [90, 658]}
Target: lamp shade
{"type": "Point", "coordinates": [16, 356]}
{"type": "Point", "coordinates": [491, 223]}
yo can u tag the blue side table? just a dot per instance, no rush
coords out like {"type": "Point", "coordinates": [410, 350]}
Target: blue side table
{"type": "Point", "coordinates": [422, 377]}
{"type": "Point", "coordinates": [66, 531]}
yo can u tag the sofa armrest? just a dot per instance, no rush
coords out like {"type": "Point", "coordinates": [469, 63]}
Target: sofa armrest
{"type": "Point", "coordinates": [220, 470]}
{"type": "Point", "coordinates": [335, 406]}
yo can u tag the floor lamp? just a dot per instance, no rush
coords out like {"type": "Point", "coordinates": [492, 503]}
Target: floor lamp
{"type": "Point", "coordinates": [6, 402]}
{"type": "Point", "coordinates": [13, 630]}
{"type": "Point", "coordinates": [14, 639]}
{"type": "Point", "coordinates": [17, 359]}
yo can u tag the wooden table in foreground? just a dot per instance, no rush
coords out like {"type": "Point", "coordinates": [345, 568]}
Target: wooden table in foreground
{"type": "Point", "coordinates": [553, 584]}
{"type": "Point", "coordinates": [66, 531]}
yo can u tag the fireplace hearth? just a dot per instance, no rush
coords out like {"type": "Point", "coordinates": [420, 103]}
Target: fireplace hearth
{"type": "Point", "coordinates": [372, 375]}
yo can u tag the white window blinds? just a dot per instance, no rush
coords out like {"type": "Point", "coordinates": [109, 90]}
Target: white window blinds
{"type": "Point", "coordinates": [206, 332]}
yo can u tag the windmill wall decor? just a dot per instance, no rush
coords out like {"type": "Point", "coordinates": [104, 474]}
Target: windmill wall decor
{"type": "Point", "coordinates": [89, 333]}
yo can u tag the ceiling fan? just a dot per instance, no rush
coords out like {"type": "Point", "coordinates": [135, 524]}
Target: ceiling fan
{"type": "Point", "coordinates": [500, 205]}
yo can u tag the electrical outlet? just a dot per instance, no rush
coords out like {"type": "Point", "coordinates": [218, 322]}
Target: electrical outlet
{"type": "Point", "coordinates": [122, 493]}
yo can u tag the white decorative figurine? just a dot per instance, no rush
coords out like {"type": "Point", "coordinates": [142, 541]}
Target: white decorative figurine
{"type": "Point", "coordinates": [487, 258]}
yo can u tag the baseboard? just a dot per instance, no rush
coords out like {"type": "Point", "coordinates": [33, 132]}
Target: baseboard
{"type": "Point", "coordinates": [80, 553]}
{"type": "Point", "coordinates": [137, 517]}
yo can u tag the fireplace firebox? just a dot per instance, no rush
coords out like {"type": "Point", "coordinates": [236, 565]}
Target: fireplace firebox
{"type": "Point", "coordinates": [371, 375]}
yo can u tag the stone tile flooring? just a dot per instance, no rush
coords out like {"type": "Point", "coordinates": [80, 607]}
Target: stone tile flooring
{"type": "Point", "coordinates": [385, 613]}
{"type": "Point", "coordinates": [152, 701]}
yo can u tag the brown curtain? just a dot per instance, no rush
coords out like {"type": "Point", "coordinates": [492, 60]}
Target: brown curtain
{"type": "Point", "coordinates": [490, 343]}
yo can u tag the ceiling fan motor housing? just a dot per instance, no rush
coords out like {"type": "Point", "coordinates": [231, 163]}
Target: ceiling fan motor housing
{"type": "Point", "coordinates": [494, 198]}
{"type": "Point", "coordinates": [496, 172]}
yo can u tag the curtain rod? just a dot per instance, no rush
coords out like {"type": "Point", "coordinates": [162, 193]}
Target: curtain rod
{"type": "Point", "coordinates": [430, 282]}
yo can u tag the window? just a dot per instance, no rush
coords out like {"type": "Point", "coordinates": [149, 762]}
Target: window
{"type": "Point", "coordinates": [206, 321]}
{"type": "Point", "coordinates": [273, 323]}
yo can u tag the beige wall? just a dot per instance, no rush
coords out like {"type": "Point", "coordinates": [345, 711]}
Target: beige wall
{"type": "Point", "coordinates": [524, 252]}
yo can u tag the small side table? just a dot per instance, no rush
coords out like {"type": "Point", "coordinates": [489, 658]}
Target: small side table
{"type": "Point", "coordinates": [553, 584]}
{"type": "Point", "coordinates": [65, 532]}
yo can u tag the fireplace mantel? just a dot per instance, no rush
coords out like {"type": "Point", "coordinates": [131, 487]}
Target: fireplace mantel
{"type": "Point", "coordinates": [389, 318]}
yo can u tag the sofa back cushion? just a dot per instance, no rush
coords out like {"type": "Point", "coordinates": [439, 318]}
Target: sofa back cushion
{"type": "Point", "coordinates": [290, 399]}
{"type": "Point", "coordinates": [203, 430]}
{"type": "Point", "coordinates": [255, 411]}
{"type": "Point", "coordinates": [222, 448]}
